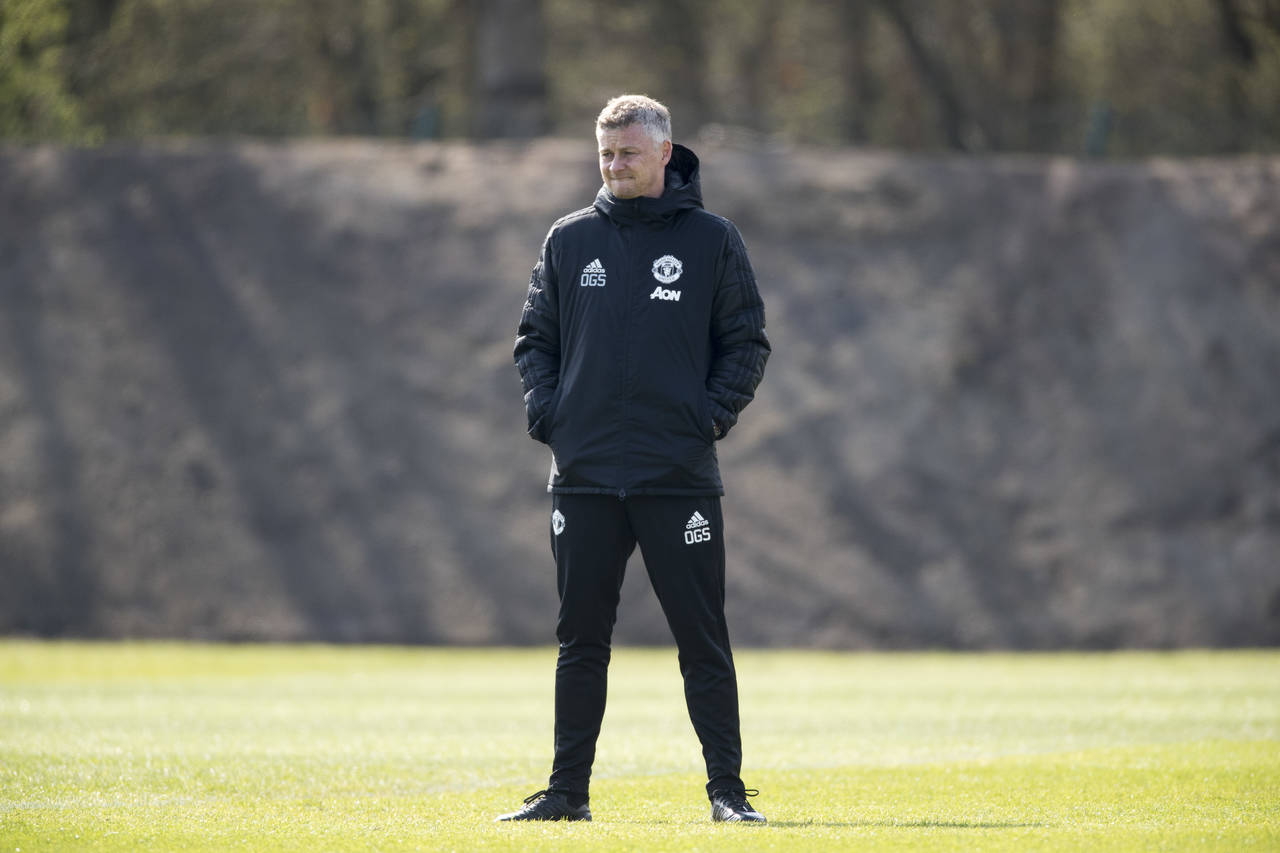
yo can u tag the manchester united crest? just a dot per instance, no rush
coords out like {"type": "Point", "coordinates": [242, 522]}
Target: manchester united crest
{"type": "Point", "coordinates": [667, 269]}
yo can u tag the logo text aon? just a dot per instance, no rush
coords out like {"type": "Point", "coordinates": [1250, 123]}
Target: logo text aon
{"type": "Point", "coordinates": [669, 295]}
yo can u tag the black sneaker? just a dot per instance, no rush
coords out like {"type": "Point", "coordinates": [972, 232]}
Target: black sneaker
{"type": "Point", "coordinates": [549, 805]}
{"type": "Point", "coordinates": [732, 807]}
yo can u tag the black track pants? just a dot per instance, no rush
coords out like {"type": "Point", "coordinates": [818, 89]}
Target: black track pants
{"type": "Point", "coordinates": [682, 542]}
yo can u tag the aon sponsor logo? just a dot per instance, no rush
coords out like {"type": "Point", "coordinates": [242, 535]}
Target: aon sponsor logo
{"type": "Point", "coordinates": [664, 294]}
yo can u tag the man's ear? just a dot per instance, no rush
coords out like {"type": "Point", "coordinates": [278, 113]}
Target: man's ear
{"type": "Point", "coordinates": [666, 151]}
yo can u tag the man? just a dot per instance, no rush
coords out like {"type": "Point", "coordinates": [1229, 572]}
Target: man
{"type": "Point", "coordinates": [641, 340]}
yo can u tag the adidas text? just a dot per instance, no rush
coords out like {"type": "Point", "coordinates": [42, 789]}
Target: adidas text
{"type": "Point", "coordinates": [668, 295]}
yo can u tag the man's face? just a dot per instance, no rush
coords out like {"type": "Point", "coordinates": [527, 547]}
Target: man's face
{"type": "Point", "coordinates": [631, 162]}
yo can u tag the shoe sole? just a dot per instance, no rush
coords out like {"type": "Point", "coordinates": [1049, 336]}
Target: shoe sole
{"type": "Point", "coordinates": [515, 819]}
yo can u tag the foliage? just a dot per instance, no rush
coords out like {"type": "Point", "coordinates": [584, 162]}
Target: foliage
{"type": "Point", "coordinates": [282, 67]}
{"type": "Point", "coordinates": [1130, 76]}
{"type": "Point", "coordinates": [35, 102]}
{"type": "Point", "coordinates": [188, 747]}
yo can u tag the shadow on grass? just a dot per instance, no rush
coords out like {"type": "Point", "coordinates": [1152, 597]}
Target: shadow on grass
{"type": "Point", "coordinates": [908, 824]}
{"type": "Point", "coordinates": [850, 824]}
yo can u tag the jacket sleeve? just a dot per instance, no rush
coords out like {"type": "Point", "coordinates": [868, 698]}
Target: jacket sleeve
{"type": "Point", "coordinates": [740, 347]}
{"type": "Point", "coordinates": [537, 349]}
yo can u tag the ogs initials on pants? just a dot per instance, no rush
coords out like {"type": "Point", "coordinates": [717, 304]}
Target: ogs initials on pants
{"type": "Point", "coordinates": [702, 534]}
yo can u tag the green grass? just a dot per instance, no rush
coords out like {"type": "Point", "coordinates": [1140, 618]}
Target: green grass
{"type": "Point", "coordinates": [191, 747]}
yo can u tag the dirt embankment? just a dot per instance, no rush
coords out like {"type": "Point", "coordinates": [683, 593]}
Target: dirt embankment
{"type": "Point", "coordinates": [252, 391]}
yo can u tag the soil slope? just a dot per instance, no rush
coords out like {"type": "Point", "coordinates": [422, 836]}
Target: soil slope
{"type": "Point", "coordinates": [255, 391]}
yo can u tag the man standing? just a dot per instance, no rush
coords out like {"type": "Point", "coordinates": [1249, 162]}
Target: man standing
{"type": "Point", "coordinates": [641, 340]}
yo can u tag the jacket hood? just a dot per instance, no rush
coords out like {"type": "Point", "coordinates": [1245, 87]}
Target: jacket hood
{"type": "Point", "coordinates": [682, 191]}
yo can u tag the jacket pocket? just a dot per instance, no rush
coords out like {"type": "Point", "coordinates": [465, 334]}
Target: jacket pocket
{"type": "Point", "coordinates": [705, 419]}
{"type": "Point", "coordinates": [540, 430]}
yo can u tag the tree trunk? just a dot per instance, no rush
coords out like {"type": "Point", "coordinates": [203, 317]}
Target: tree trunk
{"type": "Point", "coordinates": [678, 35]}
{"type": "Point", "coordinates": [1241, 57]}
{"type": "Point", "coordinates": [509, 68]}
{"type": "Point", "coordinates": [952, 116]}
{"type": "Point", "coordinates": [859, 82]}
{"type": "Point", "coordinates": [1041, 125]}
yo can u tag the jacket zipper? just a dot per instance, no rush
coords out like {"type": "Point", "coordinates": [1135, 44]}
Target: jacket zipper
{"type": "Point", "coordinates": [624, 426]}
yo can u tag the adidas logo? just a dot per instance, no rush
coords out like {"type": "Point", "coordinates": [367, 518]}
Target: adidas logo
{"type": "Point", "coordinates": [592, 275]}
{"type": "Point", "coordinates": [697, 529]}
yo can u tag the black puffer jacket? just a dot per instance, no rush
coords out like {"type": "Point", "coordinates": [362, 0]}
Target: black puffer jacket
{"type": "Point", "coordinates": [643, 325]}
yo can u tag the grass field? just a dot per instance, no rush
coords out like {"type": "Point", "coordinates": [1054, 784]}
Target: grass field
{"type": "Point", "coordinates": [192, 747]}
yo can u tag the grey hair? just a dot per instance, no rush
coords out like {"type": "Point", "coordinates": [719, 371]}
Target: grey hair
{"type": "Point", "coordinates": [626, 110]}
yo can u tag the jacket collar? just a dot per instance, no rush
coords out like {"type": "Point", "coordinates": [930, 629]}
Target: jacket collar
{"type": "Point", "coordinates": [682, 191]}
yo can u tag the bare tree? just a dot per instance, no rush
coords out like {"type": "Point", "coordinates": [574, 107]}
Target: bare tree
{"type": "Point", "coordinates": [1046, 27]}
{"type": "Point", "coordinates": [1235, 38]}
{"type": "Point", "coordinates": [757, 59]}
{"type": "Point", "coordinates": [508, 66]}
{"type": "Point", "coordinates": [1023, 84]}
{"type": "Point", "coordinates": [953, 117]}
{"type": "Point", "coordinates": [1241, 55]}
{"type": "Point", "coordinates": [859, 77]}
{"type": "Point", "coordinates": [681, 51]}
